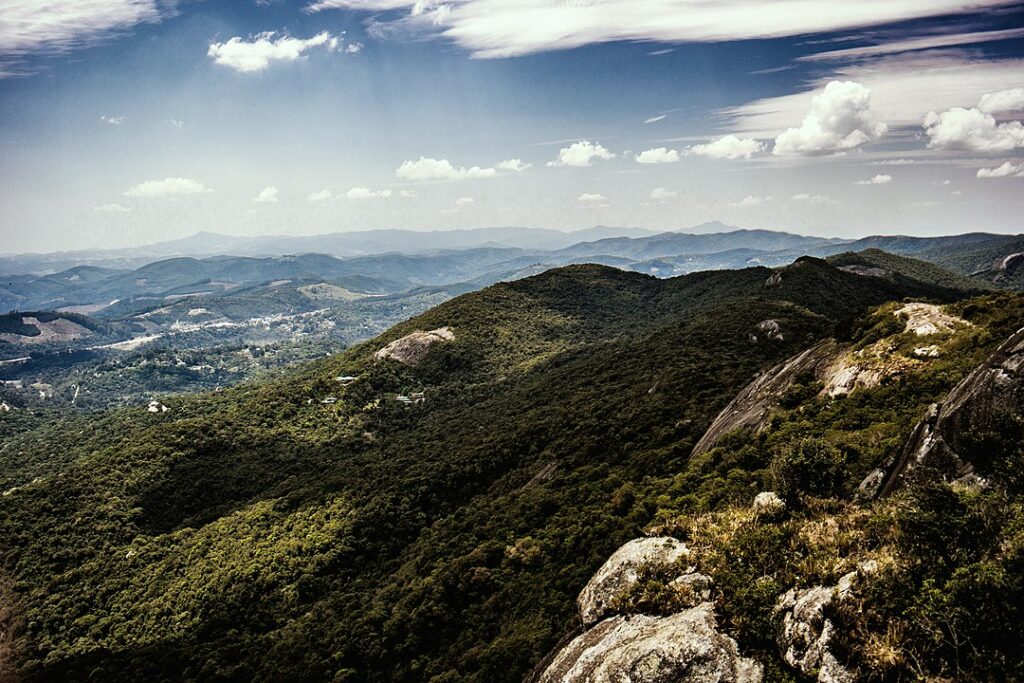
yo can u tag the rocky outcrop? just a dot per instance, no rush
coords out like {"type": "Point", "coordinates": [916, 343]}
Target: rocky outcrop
{"type": "Point", "coordinates": [686, 646]}
{"type": "Point", "coordinates": [807, 634]}
{"type": "Point", "coordinates": [752, 406]}
{"type": "Point", "coordinates": [768, 329]}
{"type": "Point", "coordinates": [867, 271]}
{"type": "Point", "coordinates": [767, 504]}
{"type": "Point", "coordinates": [997, 385]}
{"type": "Point", "coordinates": [413, 348]}
{"type": "Point", "coordinates": [774, 280]}
{"type": "Point", "coordinates": [619, 573]}
{"type": "Point", "coordinates": [1010, 263]}
{"type": "Point", "coordinates": [927, 319]}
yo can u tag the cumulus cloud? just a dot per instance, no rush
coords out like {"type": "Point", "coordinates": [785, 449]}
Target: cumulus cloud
{"type": "Point", "coordinates": [353, 48]}
{"type": "Point", "coordinates": [592, 198]}
{"type": "Point", "coordinates": [729, 147]}
{"type": "Point", "coordinates": [973, 130]}
{"type": "Point", "coordinates": [658, 155]}
{"type": "Point", "coordinates": [426, 168]}
{"type": "Point", "coordinates": [1003, 102]}
{"type": "Point", "coordinates": [880, 179]}
{"type": "Point", "coordinates": [321, 196]}
{"type": "Point", "coordinates": [752, 200]}
{"type": "Point", "coordinates": [59, 26]}
{"type": "Point", "coordinates": [507, 28]}
{"type": "Point", "coordinates": [582, 153]}
{"type": "Point", "coordinates": [112, 208]}
{"type": "Point", "coordinates": [661, 194]}
{"type": "Point", "coordinates": [113, 120]}
{"type": "Point", "coordinates": [1006, 170]}
{"type": "Point", "coordinates": [367, 193]}
{"type": "Point", "coordinates": [166, 187]}
{"type": "Point", "coordinates": [840, 119]}
{"type": "Point", "coordinates": [268, 195]}
{"type": "Point", "coordinates": [249, 56]}
{"type": "Point", "coordinates": [514, 165]}
{"type": "Point", "coordinates": [817, 199]}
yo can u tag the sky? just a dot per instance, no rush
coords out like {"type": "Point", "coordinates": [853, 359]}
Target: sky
{"type": "Point", "coordinates": [128, 122]}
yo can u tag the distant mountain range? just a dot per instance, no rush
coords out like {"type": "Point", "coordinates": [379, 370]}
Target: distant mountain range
{"type": "Point", "coordinates": [474, 258]}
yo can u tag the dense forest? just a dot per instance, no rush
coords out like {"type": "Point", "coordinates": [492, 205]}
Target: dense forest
{"type": "Point", "coordinates": [304, 528]}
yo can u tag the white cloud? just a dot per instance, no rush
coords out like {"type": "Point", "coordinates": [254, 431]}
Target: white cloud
{"type": "Point", "coordinates": [113, 120]}
{"type": "Point", "coordinates": [752, 200]}
{"type": "Point", "coordinates": [464, 201]}
{"type": "Point", "coordinates": [1002, 102]}
{"type": "Point", "coordinates": [582, 153]}
{"type": "Point", "coordinates": [817, 199]}
{"type": "Point", "coordinates": [840, 119]}
{"type": "Point", "coordinates": [321, 196]}
{"type": "Point", "coordinates": [408, 194]}
{"type": "Point", "coordinates": [367, 193]}
{"type": "Point", "coordinates": [176, 123]}
{"type": "Point", "coordinates": [880, 179]}
{"type": "Point", "coordinates": [353, 48]}
{"type": "Point", "coordinates": [660, 194]}
{"type": "Point", "coordinates": [904, 88]}
{"type": "Point", "coordinates": [655, 119]}
{"type": "Point", "coordinates": [659, 155]}
{"type": "Point", "coordinates": [59, 26]}
{"type": "Point", "coordinates": [1006, 170]}
{"type": "Point", "coordinates": [268, 195]}
{"type": "Point", "coordinates": [929, 42]}
{"type": "Point", "coordinates": [257, 54]}
{"type": "Point", "coordinates": [895, 162]}
{"type": "Point", "coordinates": [972, 129]}
{"type": "Point", "coordinates": [506, 28]}
{"type": "Point", "coordinates": [592, 198]}
{"type": "Point", "coordinates": [166, 187]}
{"type": "Point", "coordinates": [514, 165]}
{"type": "Point", "coordinates": [729, 147]}
{"type": "Point", "coordinates": [112, 208]}
{"type": "Point", "coordinates": [426, 168]}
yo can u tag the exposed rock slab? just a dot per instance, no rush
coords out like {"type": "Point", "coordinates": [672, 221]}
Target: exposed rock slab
{"type": "Point", "coordinates": [413, 348]}
{"type": "Point", "coordinates": [619, 573]}
{"type": "Point", "coordinates": [936, 442]}
{"type": "Point", "coordinates": [752, 406]}
{"type": "Point", "coordinates": [927, 319]}
{"type": "Point", "coordinates": [686, 646]}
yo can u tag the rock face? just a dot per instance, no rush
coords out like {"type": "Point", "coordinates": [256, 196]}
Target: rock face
{"type": "Point", "coordinates": [936, 442]}
{"type": "Point", "coordinates": [774, 280]}
{"type": "Point", "coordinates": [619, 573]}
{"type": "Point", "coordinates": [769, 329]}
{"type": "Point", "coordinates": [413, 348]}
{"type": "Point", "coordinates": [926, 319]}
{"type": "Point", "coordinates": [806, 634]}
{"type": "Point", "coordinates": [641, 649]}
{"type": "Point", "coordinates": [1009, 264]}
{"type": "Point", "coordinates": [752, 406]}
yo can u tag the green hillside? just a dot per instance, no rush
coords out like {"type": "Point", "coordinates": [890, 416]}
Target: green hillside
{"type": "Point", "coordinates": [302, 529]}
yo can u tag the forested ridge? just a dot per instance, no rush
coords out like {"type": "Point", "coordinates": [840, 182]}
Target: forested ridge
{"type": "Point", "coordinates": [299, 528]}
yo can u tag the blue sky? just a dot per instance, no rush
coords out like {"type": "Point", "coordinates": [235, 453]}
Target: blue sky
{"type": "Point", "coordinates": [131, 121]}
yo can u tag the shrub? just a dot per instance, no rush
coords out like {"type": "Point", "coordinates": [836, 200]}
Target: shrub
{"type": "Point", "coordinates": [810, 466]}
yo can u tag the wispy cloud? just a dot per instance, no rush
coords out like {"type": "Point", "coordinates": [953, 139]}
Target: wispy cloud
{"type": "Point", "coordinates": [655, 119]}
{"type": "Point", "coordinates": [661, 194]}
{"type": "Point", "coordinates": [930, 42]}
{"type": "Point", "coordinates": [113, 120]}
{"type": "Point", "coordinates": [507, 28]}
{"type": "Point", "coordinates": [30, 27]}
{"type": "Point", "coordinates": [112, 208]}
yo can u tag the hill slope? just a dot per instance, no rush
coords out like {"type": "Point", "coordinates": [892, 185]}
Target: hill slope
{"type": "Point", "coordinates": [312, 529]}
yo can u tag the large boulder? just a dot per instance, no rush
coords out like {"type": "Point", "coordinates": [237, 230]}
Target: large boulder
{"type": "Point", "coordinates": [807, 634]}
{"type": "Point", "coordinates": [686, 646]}
{"type": "Point", "coordinates": [413, 348]}
{"type": "Point", "coordinates": [619, 573]}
